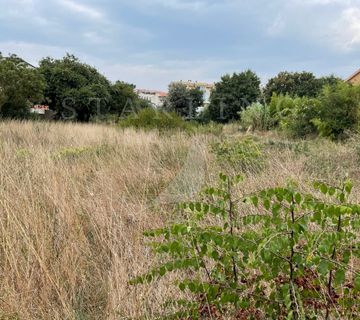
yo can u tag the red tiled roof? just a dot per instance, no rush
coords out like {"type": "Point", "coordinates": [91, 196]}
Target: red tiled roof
{"type": "Point", "coordinates": [40, 107]}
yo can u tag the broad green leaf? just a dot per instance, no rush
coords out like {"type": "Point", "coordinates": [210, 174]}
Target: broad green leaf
{"type": "Point", "coordinates": [339, 277]}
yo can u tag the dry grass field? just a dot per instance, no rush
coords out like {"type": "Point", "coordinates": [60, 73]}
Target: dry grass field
{"type": "Point", "coordinates": [75, 200]}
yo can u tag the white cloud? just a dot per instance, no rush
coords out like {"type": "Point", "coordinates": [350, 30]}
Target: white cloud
{"type": "Point", "coordinates": [321, 2]}
{"type": "Point", "coordinates": [95, 38]}
{"type": "Point", "coordinates": [338, 29]}
{"type": "Point", "coordinates": [31, 52]}
{"type": "Point", "coordinates": [142, 74]}
{"type": "Point", "coordinates": [181, 5]}
{"type": "Point", "coordinates": [83, 9]}
{"type": "Point", "coordinates": [346, 31]}
{"type": "Point", "coordinates": [158, 76]}
{"type": "Point", "coordinates": [277, 26]}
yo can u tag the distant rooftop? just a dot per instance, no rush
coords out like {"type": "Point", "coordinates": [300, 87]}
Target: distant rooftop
{"type": "Point", "coordinates": [354, 75]}
{"type": "Point", "coordinates": [194, 84]}
{"type": "Point", "coordinates": [149, 91]}
{"type": "Point", "coordinates": [19, 61]}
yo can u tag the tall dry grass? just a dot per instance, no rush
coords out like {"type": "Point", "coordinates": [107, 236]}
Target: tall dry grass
{"type": "Point", "coordinates": [75, 199]}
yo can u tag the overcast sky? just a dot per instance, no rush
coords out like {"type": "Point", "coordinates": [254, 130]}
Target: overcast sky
{"type": "Point", "coordinates": [152, 42]}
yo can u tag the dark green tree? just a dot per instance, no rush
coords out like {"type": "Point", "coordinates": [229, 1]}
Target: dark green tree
{"type": "Point", "coordinates": [74, 89]}
{"type": "Point", "coordinates": [21, 85]}
{"type": "Point", "coordinates": [185, 102]}
{"type": "Point", "coordinates": [331, 81]}
{"type": "Point", "coordinates": [124, 99]}
{"type": "Point", "coordinates": [299, 84]}
{"type": "Point", "coordinates": [196, 98]}
{"type": "Point", "coordinates": [233, 94]}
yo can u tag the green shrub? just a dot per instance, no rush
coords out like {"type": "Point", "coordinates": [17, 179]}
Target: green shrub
{"type": "Point", "coordinates": [293, 259]}
{"type": "Point", "coordinates": [339, 110]}
{"type": "Point", "coordinates": [295, 115]}
{"type": "Point", "coordinates": [244, 155]}
{"type": "Point", "coordinates": [154, 119]}
{"type": "Point", "coordinates": [280, 108]}
{"type": "Point", "coordinates": [299, 122]}
{"type": "Point", "coordinates": [256, 117]}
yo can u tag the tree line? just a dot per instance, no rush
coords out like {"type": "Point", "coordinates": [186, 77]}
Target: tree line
{"type": "Point", "coordinates": [72, 89]}
{"type": "Point", "coordinates": [298, 102]}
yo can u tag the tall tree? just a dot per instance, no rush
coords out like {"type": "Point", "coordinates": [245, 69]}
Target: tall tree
{"type": "Point", "coordinates": [297, 84]}
{"type": "Point", "coordinates": [21, 85]}
{"type": "Point", "coordinates": [75, 90]}
{"type": "Point", "coordinates": [124, 99]}
{"type": "Point", "coordinates": [185, 102]}
{"type": "Point", "coordinates": [331, 81]}
{"type": "Point", "coordinates": [233, 94]}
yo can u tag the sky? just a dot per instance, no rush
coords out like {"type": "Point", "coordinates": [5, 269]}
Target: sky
{"type": "Point", "coordinates": [152, 42]}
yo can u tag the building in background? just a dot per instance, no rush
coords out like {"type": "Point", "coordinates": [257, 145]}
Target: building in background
{"type": "Point", "coordinates": [39, 109]}
{"type": "Point", "coordinates": [156, 98]}
{"type": "Point", "coordinates": [205, 87]}
{"type": "Point", "coordinates": [355, 78]}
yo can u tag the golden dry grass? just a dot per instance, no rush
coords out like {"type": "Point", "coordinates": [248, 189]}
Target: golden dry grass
{"type": "Point", "coordinates": [75, 199]}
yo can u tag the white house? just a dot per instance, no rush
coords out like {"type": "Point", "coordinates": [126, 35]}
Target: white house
{"type": "Point", "coordinates": [39, 109]}
{"type": "Point", "coordinates": [156, 98]}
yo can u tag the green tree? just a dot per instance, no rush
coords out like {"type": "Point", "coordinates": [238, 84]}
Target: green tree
{"type": "Point", "coordinates": [339, 110]}
{"type": "Point", "coordinates": [21, 85]}
{"type": "Point", "coordinates": [233, 94]}
{"type": "Point", "coordinates": [124, 99]}
{"type": "Point", "coordinates": [331, 81]}
{"type": "Point", "coordinates": [185, 102]}
{"type": "Point", "coordinates": [299, 84]}
{"type": "Point", "coordinates": [75, 89]}
{"type": "Point", "coordinates": [196, 98]}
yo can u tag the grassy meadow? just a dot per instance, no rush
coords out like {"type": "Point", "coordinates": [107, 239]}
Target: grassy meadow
{"type": "Point", "coordinates": [75, 200]}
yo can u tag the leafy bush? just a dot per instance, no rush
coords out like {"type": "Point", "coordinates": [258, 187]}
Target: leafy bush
{"type": "Point", "coordinates": [300, 120]}
{"type": "Point", "coordinates": [256, 117]}
{"type": "Point", "coordinates": [153, 119]}
{"type": "Point", "coordinates": [339, 110]}
{"type": "Point", "coordinates": [280, 108]}
{"type": "Point", "coordinates": [292, 260]}
{"type": "Point", "coordinates": [244, 155]}
{"type": "Point", "coordinates": [295, 115]}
